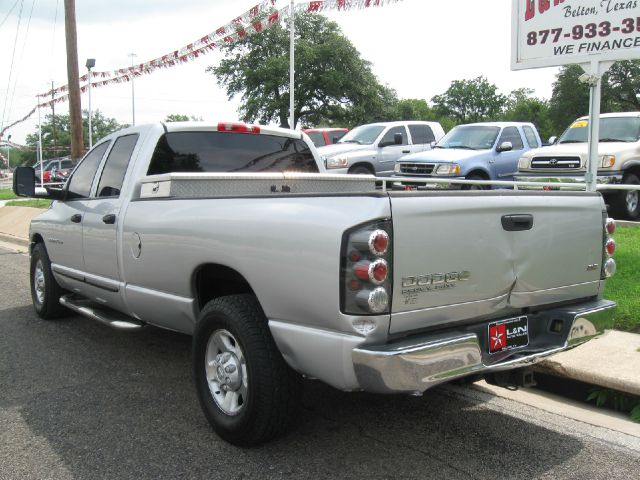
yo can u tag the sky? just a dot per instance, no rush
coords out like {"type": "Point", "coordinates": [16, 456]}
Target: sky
{"type": "Point", "coordinates": [417, 47]}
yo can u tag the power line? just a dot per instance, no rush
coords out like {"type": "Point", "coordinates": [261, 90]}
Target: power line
{"type": "Point", "coordinates": [9, 13]}
{"type": "Point", "coordinates": [15, 43]}
{"type": "Point", "coordinates": [53, 40]}
{"type": "Point", "coordinates": [24, 46]}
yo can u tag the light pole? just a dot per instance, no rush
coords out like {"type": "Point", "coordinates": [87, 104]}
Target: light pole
{"type": "Point", "coordinates": [292, 29]}
{"type": "Point", "coordinates": [133, 92]}
{"type": "Point", "coordinates": [91, 62]}
{"type": "Point", "coordinates": [9, 152]}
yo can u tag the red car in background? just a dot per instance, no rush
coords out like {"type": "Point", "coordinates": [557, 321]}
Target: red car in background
{"type": "Point", "coordinates": [325, 136]}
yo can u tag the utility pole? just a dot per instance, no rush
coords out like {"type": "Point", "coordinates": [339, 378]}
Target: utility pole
{"type": "Point", "coordinates": [75, 114]}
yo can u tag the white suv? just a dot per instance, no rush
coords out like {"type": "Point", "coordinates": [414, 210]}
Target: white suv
{"type": "Point", "coordinates": [619, 159]}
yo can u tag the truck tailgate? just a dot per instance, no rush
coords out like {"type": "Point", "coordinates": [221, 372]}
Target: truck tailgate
{"type": "Point", "coordinates": [455, 258]}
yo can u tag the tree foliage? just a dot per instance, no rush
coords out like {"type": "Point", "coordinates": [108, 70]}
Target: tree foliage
{"type": "Point", "coordinates": [522, 106]}
{"type": "Point", "coordinates": [570, 98]}
{"type": "Point", "coordinates": [178, 117]}
{"type": "Point", "coordinates": [333, 84]}
{"type": "Point", "coordinates": [468, 101]}
{"type": "Point", "coordinates": [101, 126]}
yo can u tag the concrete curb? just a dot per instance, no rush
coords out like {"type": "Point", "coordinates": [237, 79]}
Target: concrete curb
{"type": "Point", "coordinates": [611, 361]}
{"type": "Point", "coordinates": [23, 242]}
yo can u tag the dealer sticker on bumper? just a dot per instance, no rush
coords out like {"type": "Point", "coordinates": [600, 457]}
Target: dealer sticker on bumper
{"type": "Point", "coordinates": [508, 334]}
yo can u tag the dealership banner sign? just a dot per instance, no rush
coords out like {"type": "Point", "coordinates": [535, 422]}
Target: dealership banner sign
{"type": "Point", "coordinates": [559, 32]}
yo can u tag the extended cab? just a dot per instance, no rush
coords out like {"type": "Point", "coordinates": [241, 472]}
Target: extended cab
{"type": "Point", "coordinates": [476, 151]}
{"type": "Point", "coordinates": [233, 234]}
{"type": "Point", "coordinates": [374, 148]}
{"type": "Point", "coordinates": [618, 159]}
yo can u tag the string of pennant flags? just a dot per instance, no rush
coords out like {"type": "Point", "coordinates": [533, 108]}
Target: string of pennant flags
{"type": "Point", "coordinates": [255, 20]}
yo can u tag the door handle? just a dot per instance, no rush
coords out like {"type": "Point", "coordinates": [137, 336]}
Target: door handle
{"type": "Point", "coordinates": [109, 219]}
{"type": "Point", "coordinates": [77, 218]}
{"type": "Point", "coordinates": [517, 223]}
{"type": "Point", "coordinates": [406, 151]}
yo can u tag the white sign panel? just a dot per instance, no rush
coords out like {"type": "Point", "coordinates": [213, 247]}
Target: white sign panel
{"type": "Point", "coordinates": [559, 32]}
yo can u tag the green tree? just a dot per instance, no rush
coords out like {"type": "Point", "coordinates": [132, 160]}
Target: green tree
{"type": "Point", "coordinates": [570, 98]}
{"type": "Point", "coordinates": [334, 85]}
{"type": "Point", "coordinates": [178, 117]}
{"type": "Point", "coordinates": [522, 106]}
{"type": "Point", "coordinates": [101, 126]}
{"type": "Point", "coordinates": [623, 81]}
{"type": "Point", "coordinates": [468, 101]}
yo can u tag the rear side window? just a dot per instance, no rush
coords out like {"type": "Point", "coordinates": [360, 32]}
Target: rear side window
{"type": "Point", "coordinates": [421, 134]}
{"type": "Point", "coordinates": [230, 152]}
{"type": "Point", "coordinates": [531, 137]}
{"type": "Point", "coordinates": [116, 166]}
{"type": "Point", "coordinates": [80, 183]}
{"type": "Point", "coordinates": [316, 138]}
{"type": "Point", "coordinates": [511, 134]}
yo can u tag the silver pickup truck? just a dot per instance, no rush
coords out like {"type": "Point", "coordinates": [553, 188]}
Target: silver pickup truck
{"type": "Point", "coordinates": [233, 234]}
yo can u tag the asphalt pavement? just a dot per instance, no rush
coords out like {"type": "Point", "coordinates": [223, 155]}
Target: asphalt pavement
{"type": "Point", "coordinates": [79, 400]}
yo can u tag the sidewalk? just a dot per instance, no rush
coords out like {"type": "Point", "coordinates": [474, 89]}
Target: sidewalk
{"type": "Point", "coordinates": [610, 361]}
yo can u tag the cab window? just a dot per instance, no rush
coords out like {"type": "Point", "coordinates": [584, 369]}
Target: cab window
{"type": "Point", "coordinates": [389, 137]}
{"type": "Point", "coordinates": [116, 166]}
{"type": "Point", "coordinates": [511, 134]}
{"type": "Point", "coordinates": [80, 182]}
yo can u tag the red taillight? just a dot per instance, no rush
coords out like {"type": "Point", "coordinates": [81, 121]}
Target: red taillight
{"type": "Point", "coordinates": [375, 272]}
{"type": "Point", "coordinates": [366, 270]}
{"type": "Point", "coordinates": [379, 271]}
{"type": "Point", "coordinates": [379, 242]}
{"type": "Point", "coordinates": [238, 127]}
{"type": "Point", "coordinates": [610, 226]}
{"type": "Point", "coordinates": [610, 247]}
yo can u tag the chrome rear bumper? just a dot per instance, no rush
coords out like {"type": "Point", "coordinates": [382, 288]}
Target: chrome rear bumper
{"type": "Point", "coordinates": [416, 364]}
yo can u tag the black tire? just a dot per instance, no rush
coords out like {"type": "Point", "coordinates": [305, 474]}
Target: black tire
{"type": "Point", "coordinates": [474, 187]}
{"type": "Point", "coordinates": [626, 205]}
{"type": "Point", "coordinates": [360, 170]}
{"type": "Point", "coordinates": [272, 389]}
{"type": "Point", "coordinates": [45, 291]}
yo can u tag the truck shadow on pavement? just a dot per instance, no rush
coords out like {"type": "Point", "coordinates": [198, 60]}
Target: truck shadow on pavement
{"type": "Point", "coordinates": [82, 401]}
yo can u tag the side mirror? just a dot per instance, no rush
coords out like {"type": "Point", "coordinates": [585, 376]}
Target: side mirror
{"type": "Point", "coordinates": [505, 147]}
{"type": "Point", "coordinates": [24, 185]}
{"type": "Point", "coordinates": [24, 182]}
{"type": "Point", "coordinates": [397, 139]}
{"type": "Point", "coordinates": [552, 140]}
{"type": "Point", "coordinates": [432, 144]}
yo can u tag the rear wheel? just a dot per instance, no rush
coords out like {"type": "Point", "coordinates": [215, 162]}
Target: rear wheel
{"type": "Point", "coordinates": [624, 204]}
{"type": "Point", "coordinates": [45, 291]}
{"type": "Point", "coordinates": [247, 391]}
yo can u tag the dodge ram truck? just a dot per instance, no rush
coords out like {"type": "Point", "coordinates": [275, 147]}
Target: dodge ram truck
{"type": "Point", "coordinates": [234, 234]}
{"type": "Point", "coordinates": [618, 160]}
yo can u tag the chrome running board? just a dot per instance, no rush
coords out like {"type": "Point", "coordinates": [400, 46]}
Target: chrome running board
{"type": "Point", "coordinates": [100, 313]}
